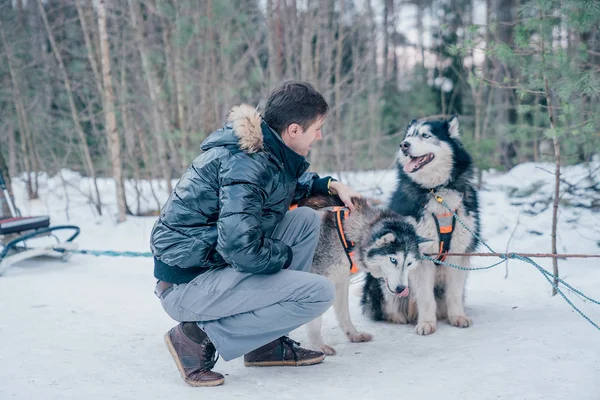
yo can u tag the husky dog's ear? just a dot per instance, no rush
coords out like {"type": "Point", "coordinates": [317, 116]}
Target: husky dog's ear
{"type": "Point", "coordinates": [385, 239]}
{"type": "Point", "coordinates": [453, 127]}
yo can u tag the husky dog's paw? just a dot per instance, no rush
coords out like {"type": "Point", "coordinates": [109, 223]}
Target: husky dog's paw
{"type": "Point", "coordinates": [360, 337]}
{"type": "Point", "coordinates": [460, 321]}
{"type": "Point", "coordinates": [327, 349]}
{"type": "Point", "coordinates": [425, 328]}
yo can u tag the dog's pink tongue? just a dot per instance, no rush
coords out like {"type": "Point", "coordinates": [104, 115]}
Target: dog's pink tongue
{"type": "Point", "coordinates": [404, 293]}
{"type": "Point", "coordinates": [412, 165]}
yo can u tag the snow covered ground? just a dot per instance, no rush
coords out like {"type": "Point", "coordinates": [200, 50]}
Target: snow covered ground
{"type": "Point", "coordinates": [92, 327]}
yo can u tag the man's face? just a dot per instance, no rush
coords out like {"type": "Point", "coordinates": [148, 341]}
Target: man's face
{"type": "Point", "coordinates": [301, 140]}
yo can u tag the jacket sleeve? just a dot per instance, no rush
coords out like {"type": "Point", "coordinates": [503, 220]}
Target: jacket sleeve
{"type": "Point", "coordinates": [310, 184]}
{"type": "Point", "coordinates": [241, 241]}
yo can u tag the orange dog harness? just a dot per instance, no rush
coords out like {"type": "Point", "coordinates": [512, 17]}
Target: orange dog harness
{"type": "Point", "coordinates": [445, 226]}
{"type": "Point", "coordinates": [340, 214]}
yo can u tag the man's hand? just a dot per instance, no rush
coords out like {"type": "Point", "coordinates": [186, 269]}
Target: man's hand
{"type": "Point", "coordinates": [345, 193]}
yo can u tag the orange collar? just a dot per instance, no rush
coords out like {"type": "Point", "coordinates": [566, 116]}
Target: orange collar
{"type": "Point", "coordinates": [341, 213]}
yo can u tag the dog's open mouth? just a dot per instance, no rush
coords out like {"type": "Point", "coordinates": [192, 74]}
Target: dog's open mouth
{"type": "Point", "coordinates": [416, 163]}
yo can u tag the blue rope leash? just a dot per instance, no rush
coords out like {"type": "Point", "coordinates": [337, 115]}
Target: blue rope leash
{"type": "Point", "coordinates": [464, 268]}
{"type": "Point", "coordinates": [547, 274]}
{"type": "Point", "coordinates": [108, 253]}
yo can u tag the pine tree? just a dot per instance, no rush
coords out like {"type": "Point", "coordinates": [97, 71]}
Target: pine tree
{"type": "Point", "coordinates": [551, 65]}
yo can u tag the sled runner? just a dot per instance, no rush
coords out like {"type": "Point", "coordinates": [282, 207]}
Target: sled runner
{"type": "Point", "coordinates": [18, 235]}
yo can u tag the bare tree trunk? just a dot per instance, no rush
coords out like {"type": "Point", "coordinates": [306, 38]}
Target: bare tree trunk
{"type": "Point", "coordinates": [480, 125]}
{"type": "Point", "coordinates": [12, 151]}
{"type": "Point", "coordinates": [160, 128]}
{"type": "Point", "coordinates": [338, 91]}
{"type": "Point", "coordinates": [114, 142]}
{"type": "Point", "coordinates": [306, 65]}
{"type": "Point", "coordinates": [555, 210]}
{"type": "Point", "coordinates": [180, 97]}
{"type": "Point", "coordinates": [440, 61]}
{"type": "Point", "coordinates": [420, 30]}
{"type": "Point", "coordinates": [24, 128]}
{"type": "Point", "coordinates": [553, 121]}
{"type": "Point", "coordinates": [170, 110]}
{"type": "Point", "coordinates": [26, 149]}
{"type": "Point", "coordinates": [324, 72]}
{"type": "Point", "coordinates": [89, 47]}
{"type": "Point", "coordinates": [213, 63]}
{"type": "Point", "coordinates": [274, 42]}
{"type": "Point", "coordinates": [375, 86]}
{"type": "Point", "coordinates": [4, 209]}
{"type": "Point", "coordinates": [87, 158]}
{"type": "Point", "coordinates": [279, 35]}
{"type": "Point", "coordinates": [288, 19]}
{"type": "Point", "coordinates": [320, 39]}
{"type": "Point", "coordinates": [41, 58]}
{"type": "Point", "coordinates": [502, 97]}
{"type": "Point", "coordinates": [132, 155]}
{"type": "Point", "coordinates": [147, 161]}
{"type": "Point", "coordinates": [393, 33]}
{"type": "Point", "coordinates": [320, 33]}
{"type": "Point", "coordinates": [355, 117]}
{"type": "Point", "coordinates": [204, 120]}
{"type": "Point", "coordinates": [386, 37]}
{"type": "Point", "coordinates": [478, 93]}
{"type": "Point", "coordinates": [25, 113]}
{"type": "Point", "coordinates": [169, 73]}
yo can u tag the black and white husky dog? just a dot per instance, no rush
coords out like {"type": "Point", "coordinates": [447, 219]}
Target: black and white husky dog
{"type": "Point", "coordinates": [432, 166]}
{"type": "Point", "coordinates": [385, 245]}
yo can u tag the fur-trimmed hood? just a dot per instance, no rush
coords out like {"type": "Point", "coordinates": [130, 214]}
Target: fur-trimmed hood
{"type": "Point", "coordinates": [246, 129]}
{"type": "Point", "coordinates": [243, 128]}
{"type": "Point", "coordinates": [246, 122]}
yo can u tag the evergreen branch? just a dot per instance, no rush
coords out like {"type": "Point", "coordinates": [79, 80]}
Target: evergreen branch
{"type": "Point", "coordinates": [500, 86]}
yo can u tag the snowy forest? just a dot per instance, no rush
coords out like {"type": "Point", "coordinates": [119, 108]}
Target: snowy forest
{"type": "Point", "coordinates": [105, 103]}
{"type": "Point", "coordinates": [130, 89]}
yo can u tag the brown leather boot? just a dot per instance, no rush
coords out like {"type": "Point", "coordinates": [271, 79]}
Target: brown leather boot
{"type": "Point", "coordinates": [282, 352]}
{"type": "Point", "coordinates": [194, 355]}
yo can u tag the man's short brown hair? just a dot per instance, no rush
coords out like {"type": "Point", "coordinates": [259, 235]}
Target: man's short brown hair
{"type": "Point", "coordinates": [294, 102]}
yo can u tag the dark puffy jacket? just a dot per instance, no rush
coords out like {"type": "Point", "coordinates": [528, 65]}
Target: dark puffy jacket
{"type": "Point", "coordinates": [228, 202]}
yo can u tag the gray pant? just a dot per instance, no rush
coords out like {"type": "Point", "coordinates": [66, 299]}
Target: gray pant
{"type": "Point", "coordinates": [240, 311]}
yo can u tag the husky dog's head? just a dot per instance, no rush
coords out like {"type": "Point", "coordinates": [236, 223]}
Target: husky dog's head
{"type": "Point", "coordinates": [431, 153]}
{"type": "Point", "coordinates": [392, 254]}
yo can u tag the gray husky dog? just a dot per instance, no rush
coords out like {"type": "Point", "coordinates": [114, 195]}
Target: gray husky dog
{"type": "Point", "coordinates": [433, 166]}
{"type": "Point", "coordinates": [380, 237]}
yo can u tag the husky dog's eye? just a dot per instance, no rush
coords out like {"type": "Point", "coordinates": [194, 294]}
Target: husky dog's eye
{"type": "Point", "coordinates": [393, 260]}
{"type": "Point", "coordinates": [425, 136]}
{"type": "Point", "coordinates": [409, 264]}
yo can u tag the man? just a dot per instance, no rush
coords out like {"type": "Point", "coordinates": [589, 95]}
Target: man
{"type": "Point", "coordinates": [231, 262]}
